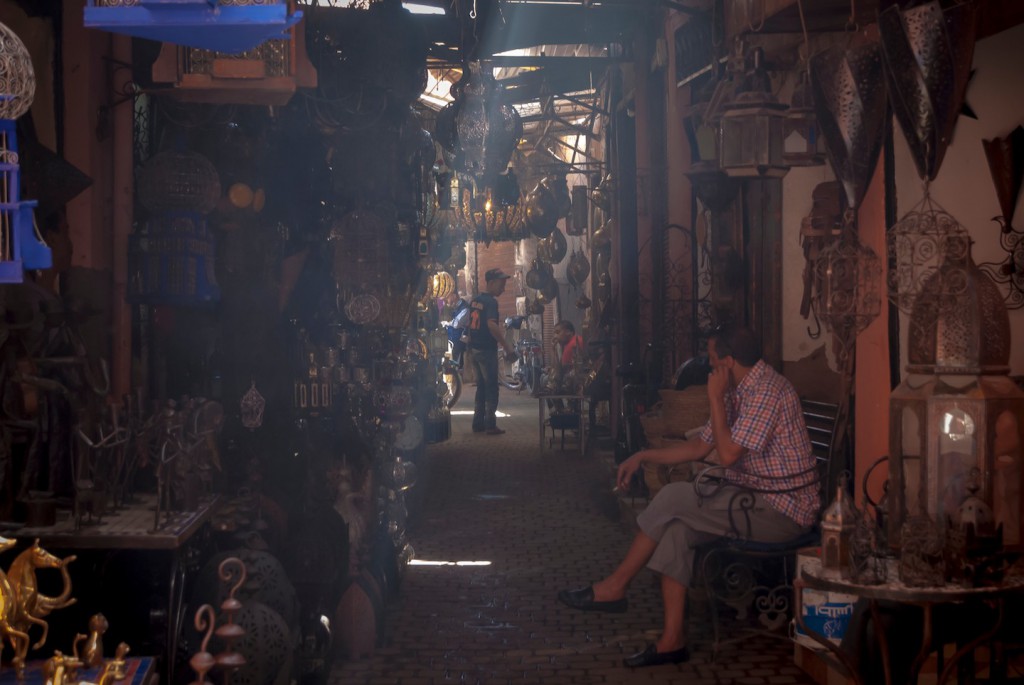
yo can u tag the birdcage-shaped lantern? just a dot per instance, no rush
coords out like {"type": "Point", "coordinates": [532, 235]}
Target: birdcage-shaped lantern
{"type": "Point", "coordinates": [172, 258]}
{"type": "Point", "coordinates": [265, 74]}
{"type": "Point", "coordinates": [20, 246]}
{"type": "Point", "coordinates": [923, 240]}
{"type": "Point", "coordinates": [848, 276]}
{"type": "Point", "coordinates": [956, 409]}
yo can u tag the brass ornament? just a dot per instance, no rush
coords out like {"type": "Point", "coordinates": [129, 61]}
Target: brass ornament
{"type": "Point", "coordinates": [21, 603]}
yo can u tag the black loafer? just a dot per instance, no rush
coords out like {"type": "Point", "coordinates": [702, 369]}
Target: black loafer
{"type": "Point", "coordinates": [583, 599]}
{"type": "Point", "coordinates": [652, 657]}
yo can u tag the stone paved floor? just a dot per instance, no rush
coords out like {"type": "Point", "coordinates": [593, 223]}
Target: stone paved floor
{"type": "Point", "coordinates": [544, 521]}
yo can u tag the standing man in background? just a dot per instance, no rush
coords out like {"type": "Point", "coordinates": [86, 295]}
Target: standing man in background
{"type": "Point", "coordinates": [485, 334]}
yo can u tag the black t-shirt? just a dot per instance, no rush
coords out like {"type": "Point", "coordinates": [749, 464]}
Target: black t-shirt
{"type": "Point", "coordinates": [483, 309]}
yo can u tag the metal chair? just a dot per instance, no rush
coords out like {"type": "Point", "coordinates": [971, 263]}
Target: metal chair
{"type": "Point", "coordinates": [743, 573]}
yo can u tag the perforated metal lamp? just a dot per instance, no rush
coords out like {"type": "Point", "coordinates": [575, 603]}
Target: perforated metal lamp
{"type": "Point", "coordinates": [751, 128]}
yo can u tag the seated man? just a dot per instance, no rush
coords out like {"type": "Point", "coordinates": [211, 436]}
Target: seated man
{"type": "Point", "coordinates": [570, 344]}
{"type": "Point", "coordinates": [758, 428]}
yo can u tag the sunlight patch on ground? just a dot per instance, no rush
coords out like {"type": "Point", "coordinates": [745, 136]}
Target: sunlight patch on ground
{"type": "Point", "coordinates": [427, 562]}
{"type": "Point", "coordinates": [469, 412]}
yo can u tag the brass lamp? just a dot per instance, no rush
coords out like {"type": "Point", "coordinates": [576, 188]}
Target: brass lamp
{"type": "Point", "coordinates": [750, 132]}
{"type": "Point", "coordinates": [957, 409]}
{"type": "Point", "coordinates": [489, 216]}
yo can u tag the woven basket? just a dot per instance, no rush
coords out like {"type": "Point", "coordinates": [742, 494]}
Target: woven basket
{"type": "Point", "coordinates": [654, 426]}
{"type": "Point", "coordinates": [657, 476]}
{"type": "Point", "coordinates": [682, 410]}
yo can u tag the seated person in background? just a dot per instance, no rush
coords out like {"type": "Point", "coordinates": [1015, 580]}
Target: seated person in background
{"type": "Point", "coordinates": [569, 343]}
{"type": "Point", "coordinates": [758, 428]}
{"type": "Point", "coordinates": [567, 347]}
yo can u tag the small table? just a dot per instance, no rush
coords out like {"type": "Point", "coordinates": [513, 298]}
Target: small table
{"type": "Point", "coordinates": [132, 527]}
{"type": "Point", "coordinates": [542, 404]}
{"type": "Point", "coordinates": [895, 591]}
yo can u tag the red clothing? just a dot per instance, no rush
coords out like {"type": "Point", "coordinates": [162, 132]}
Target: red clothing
{"type": "Point", "coordinates": [570, 349]}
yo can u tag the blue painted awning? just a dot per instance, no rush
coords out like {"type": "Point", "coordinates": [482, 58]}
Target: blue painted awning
{"type": "Point", "coordinates": [196, 23]}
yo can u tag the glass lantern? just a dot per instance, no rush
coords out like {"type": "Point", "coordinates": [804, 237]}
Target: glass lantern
{"type": "Point", "coordinates": [803, 144]}
{"type": "Point", "coordinates": [751, 129]}
{"type": "Point", "coordinates": [956, 410]}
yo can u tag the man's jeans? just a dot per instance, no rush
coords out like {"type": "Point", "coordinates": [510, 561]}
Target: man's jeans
{"type": "Point", "coordinates": [485, 363]}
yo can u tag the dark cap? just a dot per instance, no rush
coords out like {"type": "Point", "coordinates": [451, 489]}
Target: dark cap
{"type": "Point", "coordinates": [495, 274]}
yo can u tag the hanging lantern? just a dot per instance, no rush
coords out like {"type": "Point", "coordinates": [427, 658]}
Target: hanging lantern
{"type": "Point", "coordinates": [701, 123]}
{"type": "Point", "coordinates": [478, 128]}
{"type": "Point", "coordinates": [924, 239]}
{"type": "Point", "coordinates": [803, 144]}
{"type": "Point", "coordinates": [486, 217]}
{"type": "Point", "coordinates": [848, 275]}
{"type": "Point", "coordinates": [712, 186]}
{"type": "Point", "coordinates": [750, 132]}
{"type": "Point", "coordinates": [20, 246]}
{"type": "Point", "coordinates": [441, 285]}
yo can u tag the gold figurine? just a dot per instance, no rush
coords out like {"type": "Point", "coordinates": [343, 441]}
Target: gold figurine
{"type": "Point", "coordinates": [93, 653]}
{"type": "Point", "coordinates": [61, 670]}
{"type": "Point", "coordinates": [22, 605]}
{"type": "Point", "coordinates": [116, 669]}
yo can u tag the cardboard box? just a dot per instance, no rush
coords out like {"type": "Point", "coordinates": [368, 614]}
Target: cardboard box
{"type": "Point", "coordinates": [826, 613]}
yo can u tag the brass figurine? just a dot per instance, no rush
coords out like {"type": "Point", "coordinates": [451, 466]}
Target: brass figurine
{"type": "Point", "coordinates": [93, 653]}
{"type": "Point", "coordinates": [22, 605]}
{"type": "Point", "coordinates": [116, 669]}
{"type": "Point", "coordinates": [61, 670]}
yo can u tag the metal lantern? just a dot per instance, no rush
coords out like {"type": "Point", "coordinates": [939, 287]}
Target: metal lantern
{"type": "Point", "coordinates": [750, 132]}
{"type": "Point", "coordinates": [479, 129]}
{"type": "Point", "coordinates": [712, 186]}
{"type": "Point", "coordinates": [848, 277]}
{"type": "Point", "coordinates": [957, 409]}
{"type": "Point", "coordinates": [17, 78]}
{"type": "Point", "coordinates": [486, 218]}
{"type": "Point", "coordinates": [923, 240]}
{"type": "Point", "coordinates": [441, 285]}
{"type": "Point", "coordinates": [803, 144]}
